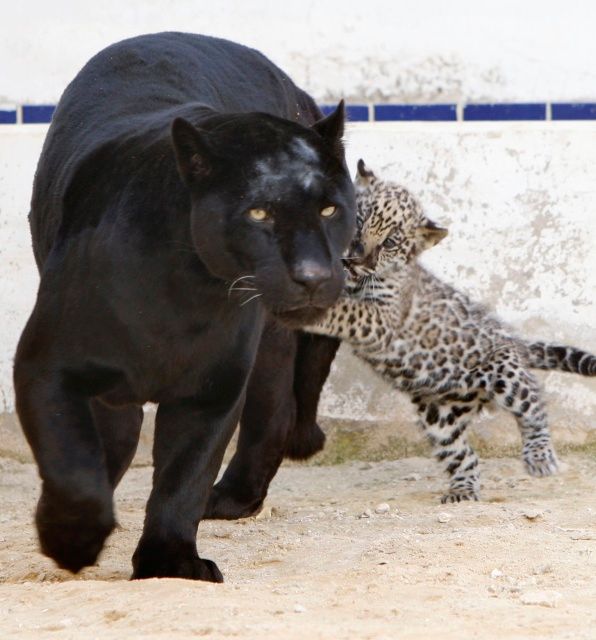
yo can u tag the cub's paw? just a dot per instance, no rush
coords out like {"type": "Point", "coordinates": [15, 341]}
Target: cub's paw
{"type": "Point", "coordinates": [304, 441]}
{"type": "Point", "coordinates": [172, 560]}
{"type": "Point", "coordinates": [224, 505]}
{"type": "Point", "coordinates": [540, 462]}
{"type": "Point", "coordinates": [73, 533]}
{"type": "Point", "coordinates": [460, 495]}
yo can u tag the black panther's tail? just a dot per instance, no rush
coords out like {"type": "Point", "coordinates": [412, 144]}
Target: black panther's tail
{"type": "Point", "coordinates": [557, 356]}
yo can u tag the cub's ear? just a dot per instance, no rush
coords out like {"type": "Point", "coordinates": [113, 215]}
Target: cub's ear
{"type": "Point", "coordinates": [430, 234]}
{"type": "Point", "coordinates": [364, 176]}
{"type": "Point", "coordinates": [331, 128]}
{"type": "Point", "coordinates": [193, 154]}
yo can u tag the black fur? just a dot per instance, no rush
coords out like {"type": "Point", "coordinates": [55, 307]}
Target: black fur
{"type": "Point", "coordinates": [142, 230]}
{"type": "Point", "coordinates": [279, 419]}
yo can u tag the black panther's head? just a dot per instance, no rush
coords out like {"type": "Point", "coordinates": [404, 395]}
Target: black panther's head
{"type": "Point", "coordinates": [272, 207]}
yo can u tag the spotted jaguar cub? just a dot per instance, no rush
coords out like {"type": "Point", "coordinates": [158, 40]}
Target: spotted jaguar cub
{"type": "Point", "coordinates": [430, 340]}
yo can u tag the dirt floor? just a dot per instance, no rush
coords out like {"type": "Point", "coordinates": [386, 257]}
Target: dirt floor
{"type": "Point", "coordinates": [359, 550]}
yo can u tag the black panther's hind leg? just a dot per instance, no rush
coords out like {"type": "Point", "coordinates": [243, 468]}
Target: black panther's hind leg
{"type": "Point", "coordinates": [119, 429]}
{"type": "Point", "coordinates": [282, 398]}
{"type": "Point", "coordinates": [267, 417]}
{"type": "Point", "coordinates": [313, 362]}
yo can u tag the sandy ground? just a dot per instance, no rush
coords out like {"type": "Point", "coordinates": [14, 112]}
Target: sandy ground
{"type": "Point", "coordinates": [319, 562]}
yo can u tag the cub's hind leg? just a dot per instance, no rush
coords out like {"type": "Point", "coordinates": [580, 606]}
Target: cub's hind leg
{"type": "Point", "coordinates": [444, 420]}
{"type": "Point", "coordinates": [518, 391]}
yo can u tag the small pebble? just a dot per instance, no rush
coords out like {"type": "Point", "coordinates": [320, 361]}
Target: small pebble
{"type": "Point", "coordinates": [383, 507]}
{"type": "Point", "coordinates": [65, 623]}
{"type": "Point", "coordinates": [543, 568]}
{"type": "Point", "coordinates": [264, 513]}
{"type": "Point", "coordinates": [412, 477]}
{"type": "Point", "coordinates": [533, 514]}
{"type": "Point", "coordinates": [298, 608]}
{"type": "Point", "coordinates": [496, 573]}
{"type": "Point", "coordinates": [530, 581]}
{"type": "Point", "coordinates": [541, 598]}
{"type": "Point", "coordinates": [583, 535]}
{"type": "Point", "coordinates": [367, 513]}
{"type": "Point", "coordinates": [443, 517]}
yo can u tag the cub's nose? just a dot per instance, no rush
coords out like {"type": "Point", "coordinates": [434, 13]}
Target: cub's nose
{"type": "Point", "coordinates": [357, 252]}
{"type": "Point", "coordinates": [311, 274]}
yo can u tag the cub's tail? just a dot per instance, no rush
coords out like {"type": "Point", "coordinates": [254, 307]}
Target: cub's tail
{"type": "Point", "coordinates": [557, 356]}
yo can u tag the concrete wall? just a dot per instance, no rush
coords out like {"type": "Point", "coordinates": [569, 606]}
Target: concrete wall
{"type": "Point", "coordinates": [519, 200]}
{"type": "Point", "coordinates": [379, 50]}
{"type": "Point", "coordinates": [520, 203]}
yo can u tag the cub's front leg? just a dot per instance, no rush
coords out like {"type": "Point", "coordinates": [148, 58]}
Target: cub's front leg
{"type": "Point", "coordinates": [361, 321]}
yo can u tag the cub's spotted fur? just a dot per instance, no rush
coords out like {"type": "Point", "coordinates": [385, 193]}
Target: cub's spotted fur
{"type": "Point", "coordinates": [430, 340]}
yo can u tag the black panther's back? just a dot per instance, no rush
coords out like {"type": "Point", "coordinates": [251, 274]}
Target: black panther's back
{"type": "Point", "coordinates": [153, 72]}
{"type": "Point", "coordinates": [144, 83]}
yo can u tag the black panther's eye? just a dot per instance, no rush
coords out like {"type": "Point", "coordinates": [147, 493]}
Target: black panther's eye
{"type": "Point", "coordinates": [328, 212]}
{"type": "Point", "coordinates": [259, 215]}
{"type": "Point", "coordinates": [389, 243]}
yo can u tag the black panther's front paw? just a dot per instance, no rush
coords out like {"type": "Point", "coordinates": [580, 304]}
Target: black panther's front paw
{"type": "Point", "coordinates": [73, 533]}
{"type": "Point", "coordinates": [223, 504]}
{"type": "Point", "coordinates": [304, 441]}
{"type": "Point", "coordinates": [159, 559]}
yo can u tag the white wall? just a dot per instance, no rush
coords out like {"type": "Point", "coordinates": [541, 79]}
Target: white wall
{"type": "Point", "coordinates": [378, 50]}
{"type": "Point", "coordinates": [520, 203]}
{"type": "Point", "coordinates": [20, 147]}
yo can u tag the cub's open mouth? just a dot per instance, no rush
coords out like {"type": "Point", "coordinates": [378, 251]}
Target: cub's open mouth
{"type": "Point", "coordinates": [349, 269]}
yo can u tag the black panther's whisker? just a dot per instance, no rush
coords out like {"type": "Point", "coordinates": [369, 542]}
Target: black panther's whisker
{"type": "Point", "coordinates": [258, 295]}
{"type": "Point", "coordinates": [231, 287]}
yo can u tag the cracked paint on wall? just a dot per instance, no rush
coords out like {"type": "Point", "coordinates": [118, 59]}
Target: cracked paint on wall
{"type": "Point", "coordinates": [519, 201]}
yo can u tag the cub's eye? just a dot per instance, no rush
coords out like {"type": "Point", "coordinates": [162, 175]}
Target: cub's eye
{"type": "Point", "coordinates": [258, 215]}
{"type": "Point", "coordinates": [389, 243]}
{"type": "Point", "coordinates": [327, 212]}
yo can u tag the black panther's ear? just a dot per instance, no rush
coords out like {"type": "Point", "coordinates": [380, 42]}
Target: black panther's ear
{"type": "Point", "coordinates": [364, 176]}
{"type": "Point", "coordinates": [430, 234]}
{"type": "Point", "coordinates": [193, 154]}
{"type": "Point", "coordinates": [331, 128]}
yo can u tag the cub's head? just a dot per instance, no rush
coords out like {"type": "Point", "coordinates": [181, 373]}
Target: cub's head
{"type": "Point", "coordinates": [273, 207]}
{"type": "Point", "coordinates": [391, 229]}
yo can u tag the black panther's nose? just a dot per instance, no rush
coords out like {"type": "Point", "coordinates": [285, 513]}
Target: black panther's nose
{"type": "Point", "coordinates": [311, 274]}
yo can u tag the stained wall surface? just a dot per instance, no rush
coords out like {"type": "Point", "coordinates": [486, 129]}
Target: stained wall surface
{"type": "Point", "coordinates": [380, 50]}
{"type": "Point", "coordinates": [519, 201]}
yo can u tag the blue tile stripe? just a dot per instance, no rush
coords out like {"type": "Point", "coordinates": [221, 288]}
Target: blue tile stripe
{"type": "Point", "coordinates": [525, 111]}
{"type": "Point", "coordinates": [573, 111]}
{"type": "Point", "coordinates": [354, 112]}
{"type": "Point", "coordinates": [8, 116]}
{"type": "Point", "coordinates": [412, 112]}
{"type": "Point", "coordinates": [499, 111]}
{"type": "Point", "coordinates": [38, 113]}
